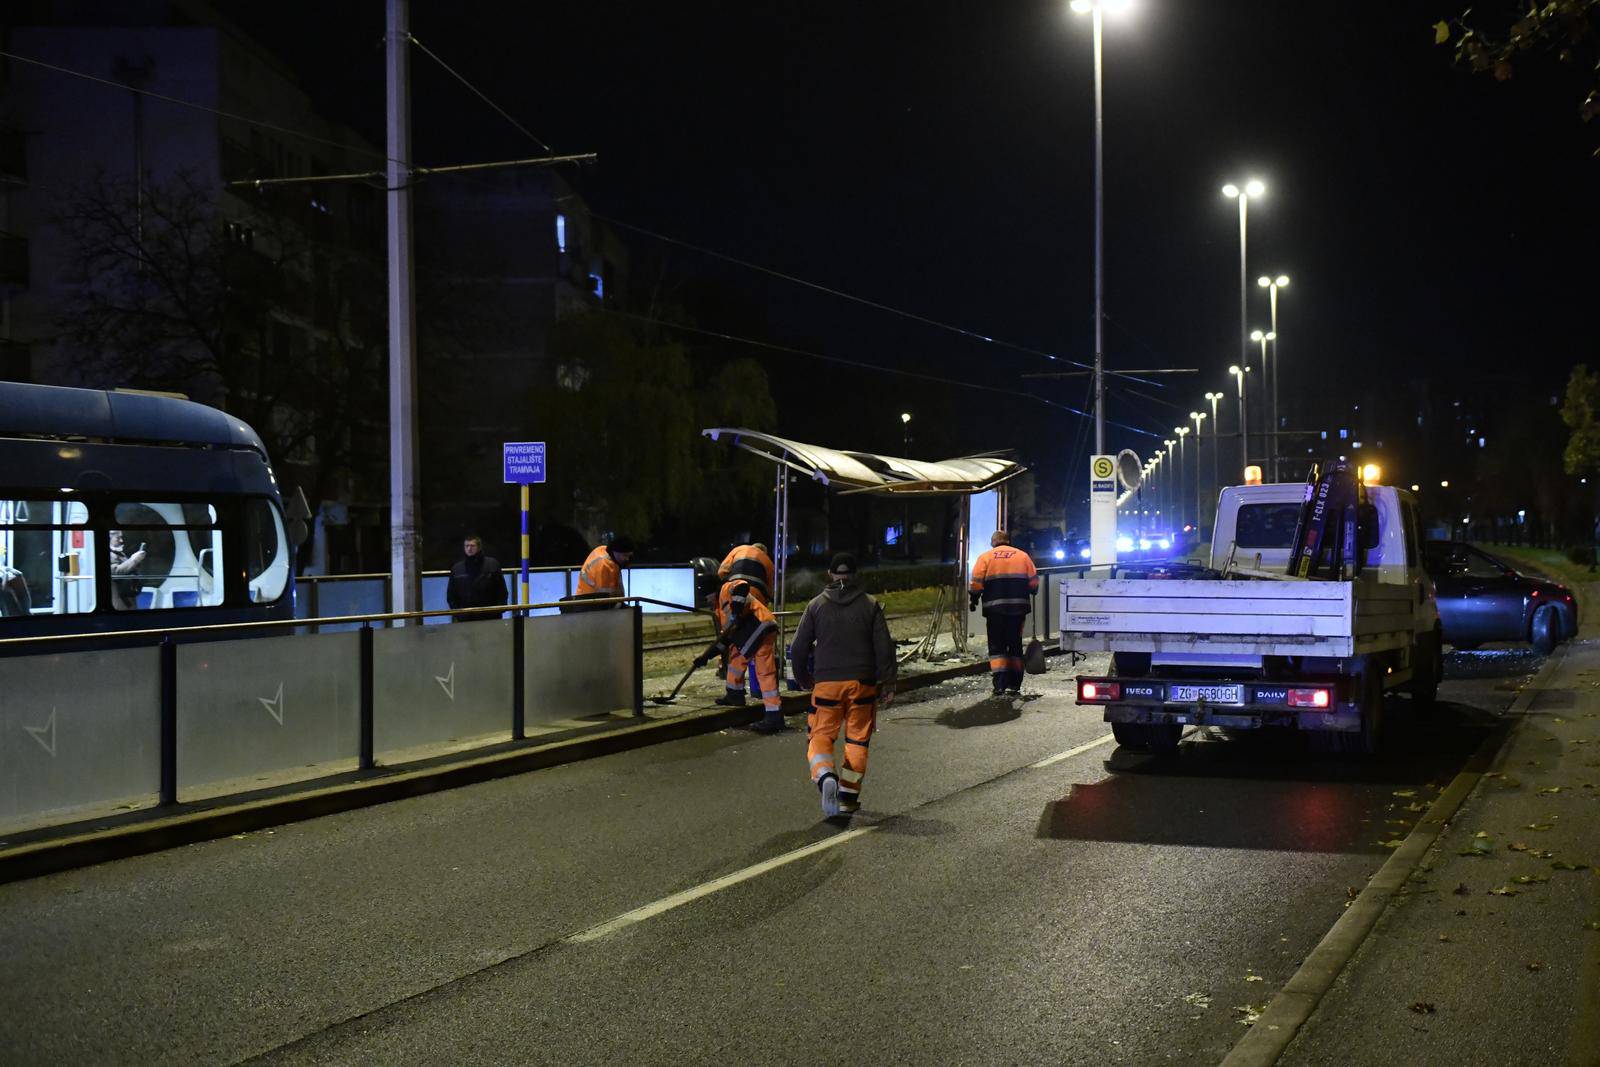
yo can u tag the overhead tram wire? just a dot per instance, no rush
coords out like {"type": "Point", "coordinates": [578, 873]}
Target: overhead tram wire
{"type": "Point", "coordinates": [865, 366]}
{"type": "Point", "coordinates": [479, 93]}
{"type": "Point", "coordinates": [842, 295]}
{"type": "Point", "coordinates": [179, 101]}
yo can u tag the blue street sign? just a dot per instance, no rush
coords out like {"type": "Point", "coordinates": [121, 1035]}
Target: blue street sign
{"type": "Point", "coordinates": [524, 462]}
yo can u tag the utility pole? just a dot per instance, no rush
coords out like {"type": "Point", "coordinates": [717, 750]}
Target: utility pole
{"type": "Point", "coordinates": [1099, 250]}
{"type": "Point", "coordinates": [404, 577]}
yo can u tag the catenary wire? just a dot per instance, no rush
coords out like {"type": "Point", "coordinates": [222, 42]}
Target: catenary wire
{"type": "Point", "coordinates": [503, 113]}
{"type": "Point", "coordinates": [865, 366]}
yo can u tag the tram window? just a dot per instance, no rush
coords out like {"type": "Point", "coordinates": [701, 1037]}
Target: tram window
{"type": "Point", "coordinates": [266, 551]}
{"type": "Point", "coordinates": [181, 561]}
{"type": "Point", "coordinates": [46, 558]}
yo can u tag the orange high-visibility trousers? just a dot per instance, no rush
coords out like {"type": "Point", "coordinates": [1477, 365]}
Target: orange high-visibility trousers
{"type": "Point", "coordinates": [766, 658]}
{"type": "Point", "coordinates": [853, 705]}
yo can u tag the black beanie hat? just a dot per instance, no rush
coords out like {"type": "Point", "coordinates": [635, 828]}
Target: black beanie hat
{"type": "Point", "coordinates": [843, 565]}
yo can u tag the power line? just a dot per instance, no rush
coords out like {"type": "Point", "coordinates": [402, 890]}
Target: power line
{"type": "Point", "coordinates": [829, 290]}
{"type": "Point", "coordinates": [864, 366]}
{"type": "Point", "coordinates": [476, 91]}
{"type": "Point", "coordinates": [422, 172]}
{"type": "Point", "coordinates": [313, 138]}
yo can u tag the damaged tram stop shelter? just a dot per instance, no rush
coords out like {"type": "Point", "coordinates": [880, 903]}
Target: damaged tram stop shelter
{"type": "Point", "coordinates": [978, 482]}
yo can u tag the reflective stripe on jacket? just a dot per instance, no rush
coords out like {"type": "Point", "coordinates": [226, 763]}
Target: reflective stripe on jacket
{"type": "Point", "coordinates": [745, 631]}
{"type": "Point", "coordinates": [754, 566]}
{"type": "Point", "coordinates": [600, 575]}
{"type": "Point", "coordinates": [1007, 579]}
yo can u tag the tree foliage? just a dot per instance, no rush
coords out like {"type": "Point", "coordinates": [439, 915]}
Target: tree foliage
{"type": "Point", "coordinates": [1499, 38]}
{"type": "Point", "coordinates": [248, 312]}
{"type": "Point", "coordinates": [1580, 410]}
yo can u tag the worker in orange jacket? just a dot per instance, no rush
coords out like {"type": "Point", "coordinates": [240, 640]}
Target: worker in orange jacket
{"type": "Point", "coordinates": [601, 574]}
{"type": "Point", "coordinates": [753, 564]}
{"type": "Point", "coordinates": [748, 633]}
{"type": "Point", "coordinates": [1005, 580]}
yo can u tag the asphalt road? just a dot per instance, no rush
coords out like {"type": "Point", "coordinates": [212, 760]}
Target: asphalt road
{"type": "Point", "coordinates": [1002, 905]}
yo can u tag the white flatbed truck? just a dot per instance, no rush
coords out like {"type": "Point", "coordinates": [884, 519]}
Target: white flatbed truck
{"type": "Point", "coordinates": [1242, 645]}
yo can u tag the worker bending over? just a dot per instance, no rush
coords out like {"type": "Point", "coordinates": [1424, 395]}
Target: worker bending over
{"type": "Point", "coordinates": [601, 575]}
{"type": "Point", "coordinates": [842, 652]}
{"type": "Point", "coordinates": [1005, 579]}
{"type": "Point", "coordinates": [753, 564]}
{"type": "Point", "coordinates": [748, 634]}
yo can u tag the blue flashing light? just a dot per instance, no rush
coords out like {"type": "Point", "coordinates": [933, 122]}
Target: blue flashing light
{"type": "Point", "coordinates": [561, 233]}
{"type": "Point", "coordinates": [1086, 554]}
{"type": "Point", "coordinates": [1124, 544]}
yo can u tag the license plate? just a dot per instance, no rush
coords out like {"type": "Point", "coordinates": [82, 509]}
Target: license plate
{"type": "Point", "coordinates": [1210, 694]}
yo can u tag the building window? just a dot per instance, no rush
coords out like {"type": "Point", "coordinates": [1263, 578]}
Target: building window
{"type": "Point", "coordinates": [561, 233]}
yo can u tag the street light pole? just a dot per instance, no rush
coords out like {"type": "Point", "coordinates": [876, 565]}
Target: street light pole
{"type": "Point", "coordinates": [1183, 499]}
{"type": "Point", "coordinates": [1095, 10]}
{"type": "Point", "coordinates": [1252, 189]}
{"type": "Point", "coordinates": [1272, 285]}
{"type": "Point", "coordinates": [1271, 436]}
{"type": "Point", "coordinates": [1216, 447]}
{"type": "Point", "coordinates": [405, 581]}
{"type": "Point", "coordinates": [905, 515]}
{"type": "Point", "coordinates": [1199, 490]}
{"type": "Point", "coordinates": [1244, 425]}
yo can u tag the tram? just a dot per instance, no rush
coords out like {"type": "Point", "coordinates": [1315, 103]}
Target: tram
{"type": "Point", "coordinates": [123, 511]}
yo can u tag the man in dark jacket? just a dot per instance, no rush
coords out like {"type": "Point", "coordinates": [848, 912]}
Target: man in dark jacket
{"type": "Point", "coordinates": [475, 580]}
{"type": "Point", "coordinates": [843, 653]}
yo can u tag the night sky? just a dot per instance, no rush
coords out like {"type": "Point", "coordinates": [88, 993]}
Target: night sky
{"type": "Point", "coordinates": [936, 156]}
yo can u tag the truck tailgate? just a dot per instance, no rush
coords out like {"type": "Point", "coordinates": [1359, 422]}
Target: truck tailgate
{"type": "Point", "coordinates": [1259, 618]}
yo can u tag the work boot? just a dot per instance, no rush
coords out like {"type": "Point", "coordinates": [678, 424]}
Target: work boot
{"type": "Point", "coordinates": [849, 803]}
{"type": "Point", "coordinates": [733, 698]}
{"type": "Point", "coordinates": [828, 785]}
{"type": "Point", "coordinates": [771, 723]}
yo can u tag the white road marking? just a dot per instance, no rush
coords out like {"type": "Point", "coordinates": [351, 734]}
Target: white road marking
{"type": "Point", "coordinates": [665, 904]}
{"type": "Point", "coordinates": [1069, 753]}
{"type": "Point", "coordinates": [447, 682]}
{"type": "Point", "coordinates": [705, 889]}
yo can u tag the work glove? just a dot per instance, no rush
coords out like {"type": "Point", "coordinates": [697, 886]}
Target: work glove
{"type": "Point", "coordinates": [707, 656]}
{"type": "Point", "coordinates": [972, 601]}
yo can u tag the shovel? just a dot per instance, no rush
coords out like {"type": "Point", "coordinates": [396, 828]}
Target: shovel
{"type": "Point", "coordinates": [670, 697]}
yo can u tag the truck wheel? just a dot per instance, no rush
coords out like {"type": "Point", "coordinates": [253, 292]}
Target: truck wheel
{"type": "Point", "coordinates": [1369, 739]}
{"type": "Point", "coordinates": [1546, 630]}
{"type": "Point", "coordinates": [1164, 736]}
{"type": "Point", "coordinates": [1427, 667]}
{"type": "Point", "coordinates": [1130, 735]}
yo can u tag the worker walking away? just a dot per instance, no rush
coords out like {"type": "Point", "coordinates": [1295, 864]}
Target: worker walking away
{"type": "Point", "coordinates": [748, 634]}
{"type": "Point", "coordinates": [1005, 580]}
{"type": "Point", "coordinates": [842, 652]}
{"type": "Point", "coordinates": [751, 563]}
{"type": "Point", "coordinates": [601, 574]}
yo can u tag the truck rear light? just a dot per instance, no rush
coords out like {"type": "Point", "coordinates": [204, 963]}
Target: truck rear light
{"type": "Point", "coordinates": [1310, 698]}
{"type": "Point", "coordinates": [1098, 691]}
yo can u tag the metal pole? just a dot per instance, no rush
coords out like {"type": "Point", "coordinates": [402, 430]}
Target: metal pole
{"type": "Point", "coordinates": [1244, 315]}
{"type": "Point", "coordinates": [405, 580]}
{"type": "Point", "coordinates": [1099, 252]}
{"type": "Point", "coordinates": [1276, 370]}
{"type": "Point", "coordinates": [522, 587]}
{"type": "Point", "coordinates": [1216, 458]}
{"type": "Point", "coordinates": [1244, 426]}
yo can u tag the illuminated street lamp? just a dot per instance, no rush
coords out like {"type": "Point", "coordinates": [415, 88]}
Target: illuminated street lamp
{"type": "Point", "coordinates": [1244, 426]}
{"type": "Point", "coordinates": [1169, 478]}
{"type": "Point", "coordinates": [1198, 417]}
{"type": "Point", "coordinates": [1097, 8]}
{"type": "Point", "coordinates": [1216, 446]}
{"type": "Point", "coordinates": [1272, 285]}
{"type": "Point", "coordinates": [1252, 190]}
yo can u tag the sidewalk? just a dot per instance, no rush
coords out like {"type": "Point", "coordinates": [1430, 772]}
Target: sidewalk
{"type": "Point", "coordinates": [1490, 952]}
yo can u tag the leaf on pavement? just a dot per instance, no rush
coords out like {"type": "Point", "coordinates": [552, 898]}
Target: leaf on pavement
{"type": "Point", "coordinates": [1541, 853]}
{"type": "Point", "coordinates": [1481, 845]}
{"type": "Point", "coordinates": [1441, 34]}
{"type": "Point", "coordinates": [1505, 891]}
{"type": "Point", "coordinates": [1540, 826]}
{"type": "Point", "coordinates": [1444, 937]}
{"type": "Point", "coordinates": [1351, 892]}
{"type": "Point", "coordinates": [1405, 792]}
{"type": "Point", "coordinates": [1249, 1014]}
{"type": "Point", "coordinates": [1423, 1007]}
{"type": "Point", "coordinates": [1253, 978]}
{"type": "Point", "coordinates": [1199, 1000]}
{"type": "Point", "coordinates": [1531, 879]}
{"type": "Point", "coordinates": [1535, 965]}
{"type": "Point", "coordinates": [1416, 807]}
{"type": "Point", "coordinates": [1551, 791]}
{"type": "Point", "coordinates": [1518, 846]}
{"type": "Point", "coordinates": [1563, 865]}
{"type": "Point", "coordinates": [1395, 842]}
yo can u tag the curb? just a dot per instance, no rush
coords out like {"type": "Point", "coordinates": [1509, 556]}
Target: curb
{"type": "Point", "coordinates": [1293, 1005]}
{"type": "Point", "coordinates": [206, 820]}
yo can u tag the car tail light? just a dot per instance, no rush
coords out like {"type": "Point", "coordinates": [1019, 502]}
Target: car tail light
{"type": "Point", "coordinates": [1098, 691]}
{"type": "Point", "coordinates": [1310, 698]}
